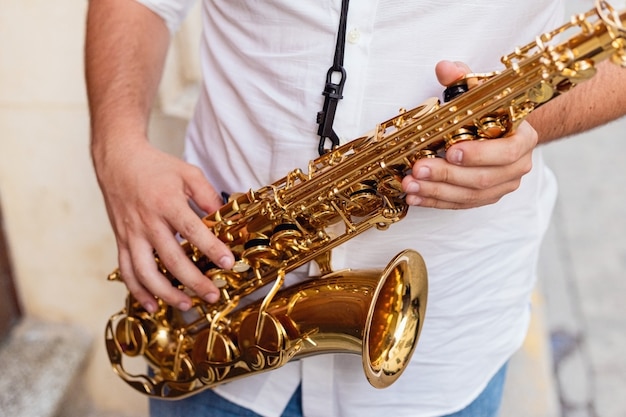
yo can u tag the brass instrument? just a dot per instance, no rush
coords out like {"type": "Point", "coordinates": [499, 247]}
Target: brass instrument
{"type": "Point", "coordinates": [303, 216]}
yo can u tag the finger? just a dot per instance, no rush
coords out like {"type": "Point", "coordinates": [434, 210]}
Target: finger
{"type": "Point", "coordinates": [469, 199]}
{"type": "Point", "coordinates": [448, 72]}
{"type": "Point", "coordinates": [435, 171]}
{"type": "Point", "coordinates": [201, 192]}
{"type": "Point", "coordinates": [173, 256]}
{"type": "Point", "coordinates": [147, 273]}
{"type": "Point", "coordinates": [502, 151]}
{"type": "Point", "coordinates": [195, 231]}
{"type": "Point", "coordinates": [138, 291]}
{"type": "Point", "coordinates": [448, 196]}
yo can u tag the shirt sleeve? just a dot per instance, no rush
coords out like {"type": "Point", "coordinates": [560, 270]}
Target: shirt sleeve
{"type": "Point", "coordinates": [173, 12]}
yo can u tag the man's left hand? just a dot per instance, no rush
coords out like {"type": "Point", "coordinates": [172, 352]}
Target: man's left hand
{"type": "Point", "coordinates": [473, 173]}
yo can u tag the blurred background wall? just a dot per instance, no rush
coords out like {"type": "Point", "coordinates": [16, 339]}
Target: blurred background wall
{"type": "Point", "coordinates": [59, 239]}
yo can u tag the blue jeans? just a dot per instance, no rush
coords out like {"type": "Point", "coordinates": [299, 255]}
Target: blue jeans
{"type": "Point", "coordinates": [487, 404]}
{"type": "Point", "coordinates": [209, 404]}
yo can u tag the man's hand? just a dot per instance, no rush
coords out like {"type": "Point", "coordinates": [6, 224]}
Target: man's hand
{"type": "Point", "coordinates": [146, 191]}
{"type": "Point", "coordinates": [473, 173]}
{"type": "Point", "coordinates": [147, 195]}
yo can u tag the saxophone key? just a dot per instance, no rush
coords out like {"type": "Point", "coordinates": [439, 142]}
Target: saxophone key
{"type": "Point", "coordinates": [211, 346]}
{"type": "Point", "coordinates": [455, 90]}
{"type": "Point", "coordinates": [491, 127]}
{"type": "Point", "coordinates": [241, 266]}
{"type": "Point", "coordinates": [390, 185]}
{"type": "Point", "coordinates": [223, 278]}
{"type": "Point", "coordinates": [287, 238]}
{"type": "Point", "coordinates": [363, 198]}
{"type": "Point", "coordinates": [258, 252]}
{"type": "Point", "coordinates": [425, 153]}
{"type": "Point", "coordinates": [460, 135]}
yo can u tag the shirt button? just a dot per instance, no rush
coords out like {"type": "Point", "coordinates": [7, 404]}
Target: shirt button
{"type": "Point", "coordinates": [353, 36]}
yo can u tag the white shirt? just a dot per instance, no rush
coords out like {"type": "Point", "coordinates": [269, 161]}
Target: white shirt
{"type": "Point", "coordinates": [264, 64]}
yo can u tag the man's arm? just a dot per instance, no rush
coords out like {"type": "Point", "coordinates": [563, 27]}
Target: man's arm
{"type": "Point", "coordinates": [146, 191]}
{"type": "Point", "coordinates": [125, 51]}
{"type": "Point", "coordinates": [592, 103]}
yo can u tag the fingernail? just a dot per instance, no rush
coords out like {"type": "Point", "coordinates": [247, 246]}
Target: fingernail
{"type": "Point", "coordinates": [412, 187]}
{"type": "Point", "coordinates": [455, 156]}
{"type": "Point", "coordinates": [423, 173]}
{"type": "Point", "coordinates": [212, 297]}
{"type": "Point", "coordinates": [461, 66]}
{"type": "Point", "coordinates": [150, 308]}
{"type": "Point", "coordinates": [413, 200]}
{"type": "Point", "coordinates": [184, 305]}
{"type": "Point", "coordinates": [225, 262]}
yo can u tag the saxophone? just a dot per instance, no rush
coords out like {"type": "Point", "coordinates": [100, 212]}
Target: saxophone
{"type": "Point", "coordinates": [303, 216]}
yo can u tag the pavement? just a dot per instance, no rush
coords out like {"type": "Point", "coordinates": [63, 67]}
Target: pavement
{"type": "Point", "coordinates": [573, 362]}
{"type": "Point", "coordinates": [583, 272]}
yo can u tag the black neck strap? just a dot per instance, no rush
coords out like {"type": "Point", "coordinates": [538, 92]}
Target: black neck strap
{"type": "Point", "coordinates": [333, 90]}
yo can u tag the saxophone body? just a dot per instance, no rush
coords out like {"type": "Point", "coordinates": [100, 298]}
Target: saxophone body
{"type": "Point", "coordinates": [300, 218]}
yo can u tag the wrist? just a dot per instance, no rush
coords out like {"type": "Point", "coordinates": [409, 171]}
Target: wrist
{"type": "Point", "coordinates": [115, 145]}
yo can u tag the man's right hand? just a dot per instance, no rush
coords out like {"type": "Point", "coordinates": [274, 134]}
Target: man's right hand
{"type": "Point", "coordinates": [147, 195]}
{"type": "Point", "coordinates": [146, 191]}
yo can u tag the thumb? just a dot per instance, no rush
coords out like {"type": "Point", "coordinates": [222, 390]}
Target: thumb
{"type": "Point", "coordinates": [448, 72]}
